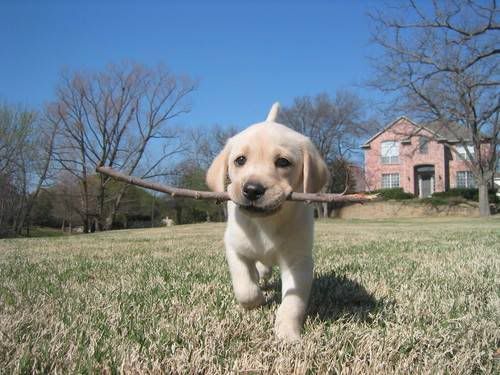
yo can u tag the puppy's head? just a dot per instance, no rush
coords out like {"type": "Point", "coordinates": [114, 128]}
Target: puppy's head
{"type": "Point", "coordinates": [265, 163]}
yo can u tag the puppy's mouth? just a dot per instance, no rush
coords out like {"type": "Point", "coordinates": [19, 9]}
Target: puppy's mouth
{"type": "Point", "coordinates": [260, 211]}
{"type": "Point", "coordinates": [266, 205]}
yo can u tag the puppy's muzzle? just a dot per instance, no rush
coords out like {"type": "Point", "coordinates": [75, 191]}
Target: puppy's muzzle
{"type": "Point", "coordinates": [253, 191]}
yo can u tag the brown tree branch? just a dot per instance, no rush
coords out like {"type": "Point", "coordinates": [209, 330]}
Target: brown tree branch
{"type": "Point", "coordinates": [224, 196]}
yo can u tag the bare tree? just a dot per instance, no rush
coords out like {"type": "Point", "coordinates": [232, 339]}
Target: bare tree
{"type": "Point", "coordinates": [205, 143]}
{"type": "Point", "coordinates": [120, 117]}
{"type": "Point", "coordinates": [203, 146]}
{"type": "Point", "coordinates": [66, 198]}
{"type": "Point", "coordinates": [26, 156]}
{"type": "Point", "coordinates": [442, 62]}
{"type": "Point", "coordinates": [36, 163]}
{"type": "Point", "coordinates": [15, 128]}
{"type": "Point", "coordinates": [336, 126]}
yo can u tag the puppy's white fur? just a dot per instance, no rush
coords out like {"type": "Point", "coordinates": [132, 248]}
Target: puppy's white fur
{"type": "Point", "coordinates": [270, 230]}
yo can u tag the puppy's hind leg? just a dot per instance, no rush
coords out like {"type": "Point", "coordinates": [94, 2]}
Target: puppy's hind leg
{"type": "Point", "coordinates": [245, 278]}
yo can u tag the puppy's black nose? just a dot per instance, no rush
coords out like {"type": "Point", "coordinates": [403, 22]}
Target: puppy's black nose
{"type": "Point", "coordinates": [253, 191]}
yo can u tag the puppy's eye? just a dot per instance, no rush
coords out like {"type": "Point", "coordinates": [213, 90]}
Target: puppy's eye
{"type": "Point", "coordinates": [282, 163]}
{"type": "Point", "coordinates": [240, 160]}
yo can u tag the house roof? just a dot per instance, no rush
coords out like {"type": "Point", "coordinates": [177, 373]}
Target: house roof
{"type": "Point", "coordinates": [450, 132]}
{"type": "Point", "coordinates": [447, 133]}
{"type": "Point", "coordinates": [390, 125]}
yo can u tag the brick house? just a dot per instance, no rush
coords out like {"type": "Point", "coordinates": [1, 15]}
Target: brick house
{"type": "Point", "coordinates": [418, 158]}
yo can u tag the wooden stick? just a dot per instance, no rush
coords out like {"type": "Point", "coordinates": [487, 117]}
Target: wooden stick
{"type": "Point", "coordinates": [224, 196]}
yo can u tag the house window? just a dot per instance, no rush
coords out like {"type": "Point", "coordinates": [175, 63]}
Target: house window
{"type": "Point", "coordinates": [462, 154]}
{"type": "Point", "coordinates": [390, 180]}
{"type": "Point", "coordinates": [423, 145]}
{"type": "Point", "coordinates": [465, 179]}
{"type": "Point", "coordinates": [390, 152]}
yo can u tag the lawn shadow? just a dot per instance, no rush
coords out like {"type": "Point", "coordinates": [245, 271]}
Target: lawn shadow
{"type": "Point", "coordinates": [336, 296]}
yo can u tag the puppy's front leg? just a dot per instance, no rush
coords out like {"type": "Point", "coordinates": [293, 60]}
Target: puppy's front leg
{"type": "Point", "coordinates": [245, 280]}
{"type": "Point", "coordinates": [296, 279]}
{"type": "Point", "coordinates": [264, 272]}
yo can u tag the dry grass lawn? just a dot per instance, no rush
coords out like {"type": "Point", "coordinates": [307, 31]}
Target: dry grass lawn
{"type": "Point", "coordinates": [405, 296]}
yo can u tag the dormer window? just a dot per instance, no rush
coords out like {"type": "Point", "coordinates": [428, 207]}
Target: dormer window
{"type": "Point", "coordinates": [462, 154]}
{"type": "Point", "coordinates": [390, 152]}
{"type": "Point", "coordinates": [423, 145]}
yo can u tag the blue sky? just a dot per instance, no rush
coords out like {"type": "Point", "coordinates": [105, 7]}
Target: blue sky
{"type": "Point", "coordinates": [246, 54]}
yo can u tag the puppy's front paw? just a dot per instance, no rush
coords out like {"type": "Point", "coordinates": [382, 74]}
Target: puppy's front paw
{"type": "Point", "coordinates": [251, 298]}
{"type": "Point", "coordinates": [287, 329]}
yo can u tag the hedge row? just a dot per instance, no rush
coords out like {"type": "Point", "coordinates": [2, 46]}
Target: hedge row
{"type": "Point", "coordinates": [469, 194]}
{"type": "Point", "coordinates": [442, 197]}
{"type": "Point", "coordinates": [394, 193]}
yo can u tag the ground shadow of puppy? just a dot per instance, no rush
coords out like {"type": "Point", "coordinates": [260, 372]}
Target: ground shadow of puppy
{"type": "Point", "coordinates": [336, 296]}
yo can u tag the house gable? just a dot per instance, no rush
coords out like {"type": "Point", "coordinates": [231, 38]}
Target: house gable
{"type": "Point", "coordinates": [398, 121]}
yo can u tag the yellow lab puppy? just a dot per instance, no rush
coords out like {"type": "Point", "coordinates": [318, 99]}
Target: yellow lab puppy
{"type": "Point", "coordinates": [265, 163]}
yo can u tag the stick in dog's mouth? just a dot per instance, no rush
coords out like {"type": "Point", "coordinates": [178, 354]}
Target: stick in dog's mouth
{"type": "Point", "coordinates": [224, 196]}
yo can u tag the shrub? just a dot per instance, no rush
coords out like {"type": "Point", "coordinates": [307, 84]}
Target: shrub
{"type": "Point", "coordinates": [435, 201]}
{"type": "Point", "coordinates": [467, 193]}
{"type": "Point", "coordinates": [394, 193]}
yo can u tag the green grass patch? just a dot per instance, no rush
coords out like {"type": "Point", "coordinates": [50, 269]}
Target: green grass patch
{"type": "Point", "coordinates": [389, 296]}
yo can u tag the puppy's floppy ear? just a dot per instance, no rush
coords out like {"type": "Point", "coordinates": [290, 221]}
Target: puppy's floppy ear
{"type": "Point", "coordinates": [217, 173]}
{"type": "Point", "coordinates": [315, 172]}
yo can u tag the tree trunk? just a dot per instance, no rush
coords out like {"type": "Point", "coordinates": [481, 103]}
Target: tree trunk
{"type": "Point", "coordinates": [325, 209]}
{"type": "Point", "coordinates": [153, 211]}
{"type": "Point", "coordinates": [484, 204]}
{"type": "Point", "coordinates": [178, 211]}
{"type": "Point", "coordinates": [84, 197]}
{"type": "Point", "coordinates": [318, 207]}
{"type": "Point", "coordinates": [86, 227]}
{"type": "Point", "coordinates": [101, 219]}
{"type": "Point", "coordinates": [116, 206]}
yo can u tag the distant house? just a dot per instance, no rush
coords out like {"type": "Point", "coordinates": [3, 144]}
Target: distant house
{"type": "Point", "coordinates": [421, 159]}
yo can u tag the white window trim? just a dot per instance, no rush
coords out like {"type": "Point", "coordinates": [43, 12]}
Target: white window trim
{"type": "Point", "coordinates": [391, 154]}
{"type": "Point", "coordinates": [392, 179]}
{"type": "Point", "coordinates": [462, 154]}
{"type": "Point", "coordinates": [470, 183]}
